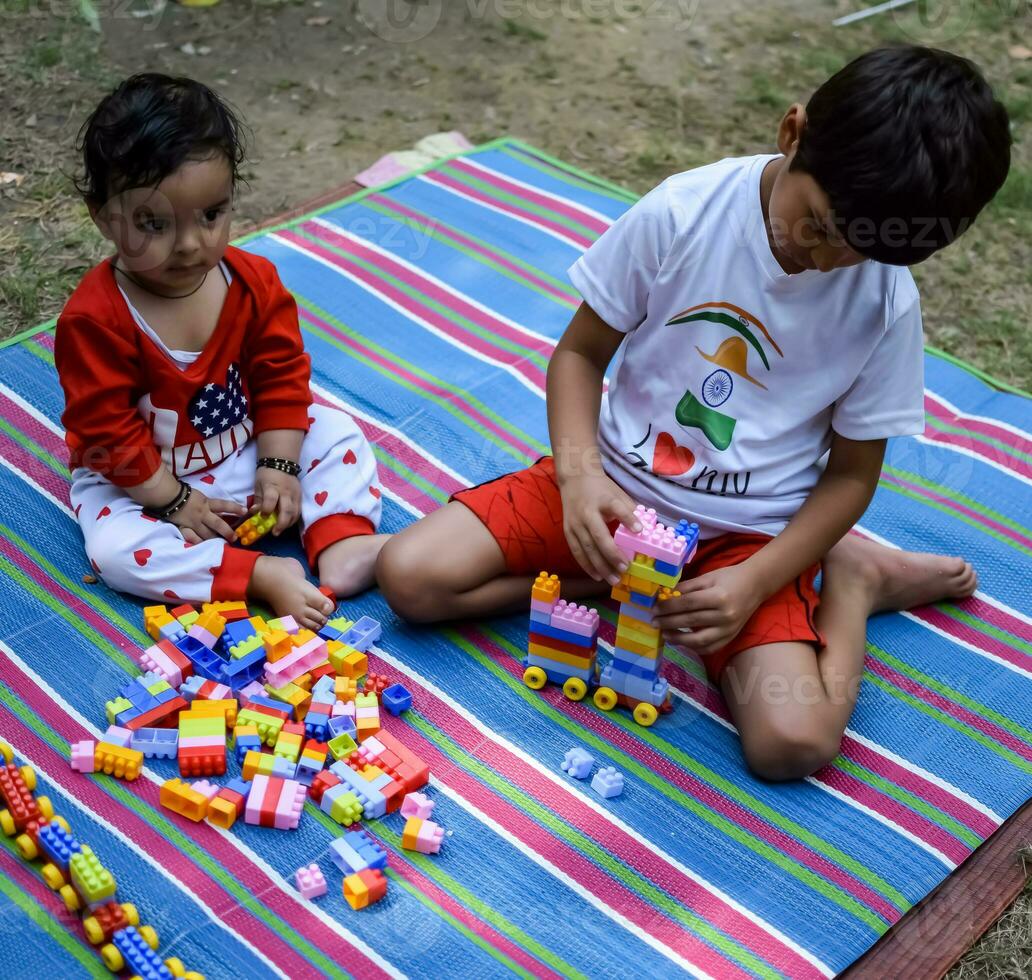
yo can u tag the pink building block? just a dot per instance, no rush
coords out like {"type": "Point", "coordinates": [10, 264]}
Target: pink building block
{"type": "Point", "coordinates": [200, 634]}
{"type": "Point", "coordinates": [310, 881]}
{"type": "Point", "coordinates": [155, 660]}
{"type": "Point", "coordinates": [416, 804]}
{"type": "Point", "coordinates": [302, 659]}
{"type": "Point", "coordinates": [246, 693]}
{"type": "Point", "coordinates": [83, 755]}
{"type": "Point", "coordinates": [121, 737]}
{"type": "Point", "coordinates": [207, 789]}
{"type": "Point", "coordinates": [575, 619]}
{"type": "Point", "coordinates": [423, 836]}
{"type": "Point", "coordinates": [202, 742]}
{"type": "Point", "coordinates": [291, 803]}
{"type": "Point", "coordinates": [536, 605]}
{"type": "Point", "coordinates": [655, 539]}
{"type": "Point", "coordinates": [288, 624]}
{"type": "Point", "coordinates": [343, 708]}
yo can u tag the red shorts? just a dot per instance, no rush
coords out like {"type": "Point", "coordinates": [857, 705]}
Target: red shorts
{"type": "Point", "coordinates": [524, 513]}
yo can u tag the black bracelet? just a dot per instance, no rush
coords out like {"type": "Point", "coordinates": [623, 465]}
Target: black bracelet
{"type": "Point", "coordinates": [177, 503]}
{"type": "Point", "coordinates": [283, 465]}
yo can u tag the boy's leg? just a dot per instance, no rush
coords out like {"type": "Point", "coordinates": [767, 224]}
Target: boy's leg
{"type": "Point", "coordinates": [478, 555]}
{"type": "Point", "coordinates": [792, 703]}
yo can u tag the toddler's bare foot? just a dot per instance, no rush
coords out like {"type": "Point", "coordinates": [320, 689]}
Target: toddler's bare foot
{"type": "Point", "coordinates": [348, 566]}
{"type": "Point", "coordinates": [281, 583]}
{"type": "Point", "coordinates": [895, 579]}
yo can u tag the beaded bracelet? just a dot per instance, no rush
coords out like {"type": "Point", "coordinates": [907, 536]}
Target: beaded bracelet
{"type": "Point", "coordinates": [287, 466]}
{"type": "Point", "coordinates": [174, 506]}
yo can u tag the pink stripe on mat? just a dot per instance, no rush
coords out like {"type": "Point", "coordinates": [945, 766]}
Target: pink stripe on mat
{"type": "Point", "coordinates": [502, 182]}
{"type": "Point", "coordinates": [1000, 618]}
{"type": "Point", "coordinates": [451, 183]}
{"type": "Point", "coordinates": [473, 246]}
{"type": "Point", "coordinates": [449, 328]}
{"type": "Point", "coordinates": [28, 425]}
{"type": "Point", "coordinates": [969, 718]}
{"type": "Point", "coordinates": [443, 393]}
{"type": "Point", "coordinates": [42, 475]}
{"type": "Point", "coordinates": [1013, 440]}
{"type": "Point", "coordinates": [630, 850]}
{"type": "Point", "coordinates": [426, 286]}
{"type": "Point", "coordinates": [992, 454]}
{"type": "Point", "coordinates": [574, 865]}
{"type": "Point", "coordinates": [962, 631]}
{"type": "Point", "coordinates": [701, 791]}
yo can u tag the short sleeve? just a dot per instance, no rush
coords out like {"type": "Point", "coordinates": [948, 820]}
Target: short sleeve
{"type": "Point", "coordinates": [887, 398]}
{"type": "Point", "coordinates": [615, 275]}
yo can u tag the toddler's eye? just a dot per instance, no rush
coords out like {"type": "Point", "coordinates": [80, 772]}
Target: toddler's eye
{"type": "Point", "coordinates": [150, 223]}
{"type": "Point", "coordinates": [212, 214]}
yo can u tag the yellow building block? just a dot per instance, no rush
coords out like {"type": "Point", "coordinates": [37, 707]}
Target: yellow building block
{"type": "Point", "coordinates": [117, 761]}
{"type": "Point", "coordinates": [626, 641]}
{"type": "Point", "coordinates": [561, 656]}
{"type": "Point", "coordinates": [346, 688]}
{"type": "Point", "coordinates": [226, 707]}
{"type": "Point", "coordinates": [277, 645]}
{"type": "Point", "coordinates": [221, 813]}
{"type": "Point", "coordinates": [545, 587]}
{"type": "Point", "coordinates": [183, 799]}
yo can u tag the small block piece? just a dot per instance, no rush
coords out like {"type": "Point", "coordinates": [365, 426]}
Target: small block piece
{"type": "Point", "coordinates": [417, 805]}
{"type": "Point", "coordinates": [422, 835]}
{"type": "Point", "coordinates": [545, 588]}
{"type": "Point", "coordinates": [255, 527]}
{"type": "Point", "coordinates": [364, 888]}
{"type": "Point", "coordinates": [349, 662]}
{"type": "Point", "coordinates": [375, 683]}
{"type": "Point", "coordinates": [577, 763]}
{"type": "Point", "coordinates": [89, 877]}
{"type": "Point", "coordinates": [608, 782]}
{"type": "Point", "coordinates": [82, 755]}
{"type": "Point", "coordinates": [183, 799]}
{"type": "Point", "coordinates": [396, 699]}
{"type": "Point", "coordinates": [118, 762]}
{"type": "Point", "coordinates": [310, 881]}
{"type": "Point", "coordinates": [342, 746]}
{"type": "Point", "coordinates": [156, 743]}
{"type": "Point", "coordinates": [115, 735]}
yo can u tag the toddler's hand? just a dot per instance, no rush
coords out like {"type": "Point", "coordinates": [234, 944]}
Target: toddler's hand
{"type": "Point", "coordinates": [588, 503]}
{"type": "Point", "coordinates": [714, 607]}
{"type": "Point", "coordinates": [199, 519]}
{"type": "Point", "coordinates": [277, 493]}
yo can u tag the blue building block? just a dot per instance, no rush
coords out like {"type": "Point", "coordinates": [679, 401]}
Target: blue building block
{"type": "Point", "coordinates": [607, 782]}
{"type": "Point", "coordinates": [328, 633]}
{"type": "Point", "coordinates": [57, 844]}
{"type": "Point", "coordinates": [577, 763]}
{"type": "Point", "coordinates": [370, 849]}
{"type": "Point", "coordinates": [340, 725]}
{"type": "Point", "coordinates": [140, 959]}
{"type": "Point", "coordinates": [171, 631]}
{"type": "Point", "coordinates": [239, 785]}
{"type": "Point", "coordinates": [317, 725]}
{"type": "Point", "coordinates": [325, 687]}
{"type": "Point", "coordinates": [246, 743]}
{"type": "Point", "coordinates": [205, 662]}
{"type": "Point", "coordinates": [238, 631]}
{"type": "Point", "coordinates": [156, 743]}
{"type": "Point", "coordinates": [578, 639]}
{"type": "Point", "coordinates": [363, 634]}
{"type": "Point", "coordinates": [307, 769]}
{"type": "Point", "coordinates": [396, 699]}
{"type": "Point", "coordinates": [240, 671]}
{"type": "Point", "coordinates": [637, 688]}
{"type": "Point", "coordinates": [374, 804]}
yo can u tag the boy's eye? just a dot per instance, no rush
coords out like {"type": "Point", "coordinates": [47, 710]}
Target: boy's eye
{"type": "Point", "coordinates": [212, 215]}
{"type": "Point", "coordinates": [149, 222]}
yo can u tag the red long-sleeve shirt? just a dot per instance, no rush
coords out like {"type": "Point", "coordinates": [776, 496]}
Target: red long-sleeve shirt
{"type": "Point", "coordinates": [129, 407]}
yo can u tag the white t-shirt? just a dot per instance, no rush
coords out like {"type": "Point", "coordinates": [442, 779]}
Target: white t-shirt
{"type": "Point", "coordinates": [733, 374]}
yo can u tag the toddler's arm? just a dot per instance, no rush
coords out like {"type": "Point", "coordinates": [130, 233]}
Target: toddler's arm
{"type": "Point", "coordinates": [574, 397]}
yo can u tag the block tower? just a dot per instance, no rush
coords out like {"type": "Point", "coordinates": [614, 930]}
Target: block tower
{"type": "Point", "coordinates": [657, 556]}
{"type": "Point", "coordinates": [563, 641]}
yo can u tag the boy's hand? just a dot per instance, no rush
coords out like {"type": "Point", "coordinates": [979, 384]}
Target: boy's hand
{"type": "Point", "coordinates": [198, 519]}
{"type": "Point", "coordinates": [277, 493]}
{"type": "Point", "coordinates": [589, 502]}
{"type": "Point", "coordinates": [714, 606]}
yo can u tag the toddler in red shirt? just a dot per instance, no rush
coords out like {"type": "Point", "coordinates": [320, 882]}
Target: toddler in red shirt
{"type": "Point", "coordinates": [187, 399]}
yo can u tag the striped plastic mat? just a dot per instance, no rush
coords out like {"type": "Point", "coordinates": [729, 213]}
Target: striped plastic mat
{"type": "Point", "coordinates": [430, 307]}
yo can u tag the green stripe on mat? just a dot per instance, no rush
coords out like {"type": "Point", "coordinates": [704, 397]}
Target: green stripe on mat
{"type": "Point", "coordinates": [939, 425]}
{"type": "Point", "coordinates": [726, 826]}
{"type": "Point", "coordinates": [1008, 639]}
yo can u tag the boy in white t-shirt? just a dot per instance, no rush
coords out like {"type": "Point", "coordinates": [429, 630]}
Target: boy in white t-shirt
{"type": "Point", "coordinates": [768, 341]}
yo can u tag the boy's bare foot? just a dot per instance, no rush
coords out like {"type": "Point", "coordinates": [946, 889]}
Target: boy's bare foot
{"type": "Point", "coordinates": [281, 582]}
{"type": "Point", "coordinates": [895, 579]}
{"type": "Point", "coordinates": [348, 566]}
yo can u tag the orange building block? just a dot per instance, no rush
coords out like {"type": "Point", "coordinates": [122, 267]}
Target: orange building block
{"type": "Point", "coordinates": [545, 587]}
{"type": "Point", "coordinates": [117, 761]}
{"type": "Point", "coordinates": [365, 888]}
{"type": "Point", "coordinates": [181, 798]}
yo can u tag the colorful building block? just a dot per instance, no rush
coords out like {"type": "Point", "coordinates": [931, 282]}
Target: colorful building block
{"type": "Point", "coordinates": [608, 782]}
{"type": "Point", "coordinates": [255, 527]}
{"type": "Point", "coordinates": [82, 755]}
{"type": "Point", "coordinates": [396, 699]}
{"type": "Point", "coordinates": [117, 761]}
{"type": "Point", "coordinates": [364, 888]}
{"type": "Point", "coordinates": [181, 798]}
{"type": "Point", "coordinates": [310, 881]}
{"type": "Point", "coordinates": [422, 835]}
{"type": "Point", "coordinates": [417, 805]}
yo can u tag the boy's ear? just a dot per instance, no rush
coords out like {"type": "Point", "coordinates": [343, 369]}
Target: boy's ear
{"type": "Point", "coordinates": [791, 127]}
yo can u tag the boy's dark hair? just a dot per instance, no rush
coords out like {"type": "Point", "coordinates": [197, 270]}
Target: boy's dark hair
{"type": "Point", "coordinates": [909, 144]}
{"type": "Point", "coordinates": [148, 127]}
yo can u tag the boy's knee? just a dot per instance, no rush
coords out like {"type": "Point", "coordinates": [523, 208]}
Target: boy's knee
{"type": "Point", "coordinates": [406, 576]}
{"type": "Point", "coordinates": [789, 749]}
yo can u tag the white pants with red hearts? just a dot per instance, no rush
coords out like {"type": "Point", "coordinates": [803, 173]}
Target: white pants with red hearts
{"type": "Point", "coordinates": [131, 552]}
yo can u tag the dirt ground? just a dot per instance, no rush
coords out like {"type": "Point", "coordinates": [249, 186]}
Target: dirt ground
{"type": "Point", "coordinates": [632, 91]}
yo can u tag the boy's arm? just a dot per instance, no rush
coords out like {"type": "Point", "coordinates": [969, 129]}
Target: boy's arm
{"type": "Point", "coordinates": [574, 397]}
{"type": "Point", "coordinates": [717, 605]}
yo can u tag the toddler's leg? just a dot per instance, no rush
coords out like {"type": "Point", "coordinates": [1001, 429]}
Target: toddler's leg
{"type": "Point", "coordinates": [134, 553]}
{"type": "Point", "coordinates": [340, 503]}
{"type": "Point", "coordinates": [791, 703]}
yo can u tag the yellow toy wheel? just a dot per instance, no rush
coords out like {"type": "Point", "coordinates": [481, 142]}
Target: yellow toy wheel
{"type": "Point", "coordinates": [645, 714]}
{"type": "Point", "coordinates": [575, 689]}
{"type": "Point", "coordinates": [131, 915]}
{"type": "Point", "coordinates": [93, 931]}
{"type": "Point", "coordinates": [7, 822]}
{"type": "Point", "coordinates": [193, 975]}
{"type": "Point", "coordinates": [29, 775]}
{"type": "Point", "coordinates": [63, 824]}
{"type": "Point", "coordinates": [605, 698]}
{"type": "Point", "coordinates": [46, 808]}
{"type": "Point", "coordinates": [112, 957]}
{"type": "Point", "coordinates": [150, 937]}
{"type": "Point", "coordinates": [53, 877]}
{"type": "Point", "coordinates": [71, 898]}
{"type": "Point", "coordinates": [5, 751]}
{"type": "Point", "coordinates": [27, 847]}
{"type": "Point", "coordinates": [175, 966]}
{"type": "Point", "coordinates": [535, 678]}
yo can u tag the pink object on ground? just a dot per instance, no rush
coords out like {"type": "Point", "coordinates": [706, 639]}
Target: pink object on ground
{"type": "Point", "coordinates": [115, 735]}
{"type": "Point", "coordinates": [310, 881]}
{"type": "Point", "coordinates": [82, 757]}
{"type": "Point", "coordinates": [416, 805]}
